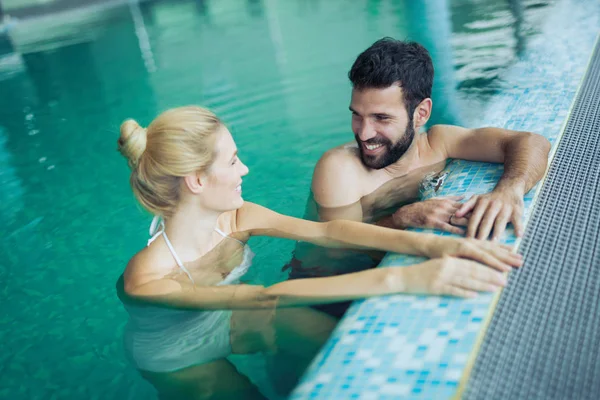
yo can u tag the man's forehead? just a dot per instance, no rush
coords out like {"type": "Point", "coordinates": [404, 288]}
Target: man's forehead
{"type": "Point", "coordinates": [369, 100]}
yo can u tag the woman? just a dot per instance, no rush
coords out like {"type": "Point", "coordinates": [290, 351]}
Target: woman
{"type": "Point", "coordinates": [188, 310]}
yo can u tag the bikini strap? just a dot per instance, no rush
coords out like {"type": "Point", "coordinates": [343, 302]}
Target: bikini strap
{"type": "Point", "coordinates": [157, 228]}
{"type": "Point", "coordinates": [220, 232]}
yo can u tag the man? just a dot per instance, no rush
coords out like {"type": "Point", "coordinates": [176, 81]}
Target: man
{"type": "Point", "coordinates": [379, 178]}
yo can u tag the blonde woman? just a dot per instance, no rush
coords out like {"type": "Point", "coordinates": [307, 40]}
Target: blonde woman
{"type": "Point", "coordinates": [188, 310]}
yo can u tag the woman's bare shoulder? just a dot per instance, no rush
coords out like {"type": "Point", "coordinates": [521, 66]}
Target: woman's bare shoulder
{"type": "Point", "coordinates": [149, 264]}
{"type": "Point", "coordinates": [228, 223]}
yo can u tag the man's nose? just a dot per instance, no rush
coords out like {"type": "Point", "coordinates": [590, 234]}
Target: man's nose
{"type": "Point", "coordinates": [366, 131]}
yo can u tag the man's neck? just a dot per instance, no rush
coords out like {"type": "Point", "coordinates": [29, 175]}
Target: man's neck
{"type": "Point", "coordinates": [408, 161]}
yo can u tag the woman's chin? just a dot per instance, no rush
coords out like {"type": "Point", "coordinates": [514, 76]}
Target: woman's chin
{"type": "Point", "coordinates": [239, 203]}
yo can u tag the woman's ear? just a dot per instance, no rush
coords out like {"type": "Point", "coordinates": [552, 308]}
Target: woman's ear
{"type": "Point", "coordinates": [194, 182]}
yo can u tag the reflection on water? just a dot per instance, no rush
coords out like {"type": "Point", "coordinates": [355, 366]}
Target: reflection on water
{"type": "Point", "coordinates": [275, 71]}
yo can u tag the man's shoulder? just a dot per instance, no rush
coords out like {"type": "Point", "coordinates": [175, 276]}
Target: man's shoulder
{"type": "Point", "coordinates": [440, 136]}
{"type": "Point", "coordinates": [337, 176]}
{"type": "Point", "coordinates": [340, 159]}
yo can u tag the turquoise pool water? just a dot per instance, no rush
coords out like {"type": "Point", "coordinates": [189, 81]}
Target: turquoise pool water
{"type": "Point", "coordinates": [276, 74]}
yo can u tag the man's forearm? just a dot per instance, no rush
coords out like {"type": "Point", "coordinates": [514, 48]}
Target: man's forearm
{"type": "Point", "coordinates": [525, 162]}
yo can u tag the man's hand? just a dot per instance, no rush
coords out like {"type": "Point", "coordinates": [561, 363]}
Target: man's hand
{"type": "Point", "coordinates": [438, 213]}
{"type": "Point", "coordinates": [493, 210]}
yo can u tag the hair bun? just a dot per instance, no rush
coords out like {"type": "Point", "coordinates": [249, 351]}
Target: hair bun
{"type": "Point", "coordinates": [132, 142]}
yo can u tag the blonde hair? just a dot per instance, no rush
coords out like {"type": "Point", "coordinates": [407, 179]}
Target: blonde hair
{"type": "Point", "coordinates": [179, 142]}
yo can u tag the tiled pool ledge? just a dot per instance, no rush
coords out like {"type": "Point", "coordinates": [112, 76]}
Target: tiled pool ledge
{"type": "Point", "coordinates": [418, 346]}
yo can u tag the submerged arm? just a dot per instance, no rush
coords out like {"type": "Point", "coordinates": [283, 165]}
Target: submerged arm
{"type": "Point", "coordinates": [185, 295]}
{"type": "Point", "coordinates": [447, 276]}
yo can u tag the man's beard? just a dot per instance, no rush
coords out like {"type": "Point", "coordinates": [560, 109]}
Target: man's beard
{"type": "Point", "coordinates": [392, 152]}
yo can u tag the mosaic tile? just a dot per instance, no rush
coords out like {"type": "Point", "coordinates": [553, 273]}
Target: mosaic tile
{"type": "Point", "coordinates": [418, 346]}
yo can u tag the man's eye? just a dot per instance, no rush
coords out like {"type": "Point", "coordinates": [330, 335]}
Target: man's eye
{"type": "Point", "coordinates": [382, 117]}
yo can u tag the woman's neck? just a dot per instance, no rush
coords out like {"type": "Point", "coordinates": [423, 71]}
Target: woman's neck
{"type": "Point", "coordinates": [191, 230]}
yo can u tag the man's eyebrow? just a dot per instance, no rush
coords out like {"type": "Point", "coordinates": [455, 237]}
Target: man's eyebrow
{"type": "Point", "coordinates": [352, 109]}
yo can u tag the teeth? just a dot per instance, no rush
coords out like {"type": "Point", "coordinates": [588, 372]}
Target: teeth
{"type": "Point", "coordinates": [373, 146]}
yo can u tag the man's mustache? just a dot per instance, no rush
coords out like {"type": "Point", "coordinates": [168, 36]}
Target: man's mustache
{"type": "Point", "coordinates": [374, 140]}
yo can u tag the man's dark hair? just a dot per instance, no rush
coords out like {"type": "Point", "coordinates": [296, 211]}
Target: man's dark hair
{"type": "Point", "coordinates": [389, 61]}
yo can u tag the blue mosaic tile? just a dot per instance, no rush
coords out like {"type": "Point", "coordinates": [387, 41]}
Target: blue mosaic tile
{"type": "Point", "coordinates": [418, 346]}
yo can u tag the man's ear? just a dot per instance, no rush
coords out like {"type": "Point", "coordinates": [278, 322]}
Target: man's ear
{"type": "Point", "coordinates": [422, 113]}
{"type": "Point", "coordinates": [194, 182]}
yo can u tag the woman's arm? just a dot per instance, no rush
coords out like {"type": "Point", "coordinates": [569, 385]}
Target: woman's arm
{"type": "Point", "coordinates": [445, 276]}
{"type": "Point", "coordinates": [260, 221]}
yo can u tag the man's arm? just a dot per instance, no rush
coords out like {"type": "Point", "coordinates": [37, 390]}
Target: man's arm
{"type": "Point", "coordinates": [437, 213]}
{"type": "Point", "coordinates": [336, 187]}
{"type": "Point", "coordinates": [525, 158]}
{"type": "Point", "coordinates": [337, 191]}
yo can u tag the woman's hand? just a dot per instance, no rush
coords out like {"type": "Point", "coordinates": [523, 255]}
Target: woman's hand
{"type": "Point", "coordinates": [497, 256]}
{"type": "Point", "coordinates": [449, 276]}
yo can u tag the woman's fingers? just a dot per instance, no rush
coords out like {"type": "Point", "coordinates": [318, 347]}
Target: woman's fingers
{"type": "Point", "coordinates": [474, 277]}
{"type": "Point", "coordinates": [492, 254]}
{"type": "Point", "coordinates": [483, 254]}
{"type": "Point", "coordinates": [477, 286]}
{"type": "Point", "coordinates": [460, 292]}
{"type": "Point", "coordinates": [513, 259]}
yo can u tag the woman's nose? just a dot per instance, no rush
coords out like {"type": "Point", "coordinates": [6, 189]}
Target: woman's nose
{"type": "Point", "coordinates": [244, 169]}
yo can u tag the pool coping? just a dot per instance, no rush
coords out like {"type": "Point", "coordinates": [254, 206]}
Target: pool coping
{"type": "Point", "coordinates": [482, 333]}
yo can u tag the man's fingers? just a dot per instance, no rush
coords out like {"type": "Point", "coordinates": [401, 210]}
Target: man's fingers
{"type": "Point", "coordinates": [459, 221]}
{"type": "Point", "coordinates": [500, 225]}
{"type": "Point", "coordinates": [475, 219]}
{"type": "Point", "coordinates": [456, 205]}
{"type": "Point", "coordinates": [450, 228]}
{"type": "Point", "coordinates": [467, 207]}
{"type": "Point", "coordinates": [485, 227]}
{"type": "Point", "coordinates": [453, 198]}
{"type": "Point", "coordinates": [517, 220]}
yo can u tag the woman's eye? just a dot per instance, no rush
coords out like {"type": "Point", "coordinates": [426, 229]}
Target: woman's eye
{"type": "Point", "coordinates": [234, 161]}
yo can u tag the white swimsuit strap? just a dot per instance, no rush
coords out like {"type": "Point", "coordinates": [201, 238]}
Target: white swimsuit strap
{"type": "Point", "coordinates": [220, 232]}
{"type": "Point", "coordinates": [157, 227]}
{"type": "Point", "coordinates": [161, 231]}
